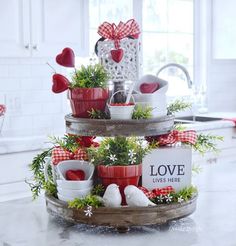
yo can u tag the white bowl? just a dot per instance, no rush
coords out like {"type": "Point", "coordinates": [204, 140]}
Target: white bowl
{"type": "Point", "coordinates": [74, 185]}
{"type": "Point", "coordinates": [74, 193]}
{"type": "Point", "coordinates": [63, 166]}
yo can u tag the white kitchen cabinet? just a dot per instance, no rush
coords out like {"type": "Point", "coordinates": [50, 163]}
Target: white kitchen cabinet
{"type": "Point", "coordinates": [14, 28]}
{"type": "Point", "coordinates": [42, 28]}
{"type": "Point", "coordinates": [227, 147]}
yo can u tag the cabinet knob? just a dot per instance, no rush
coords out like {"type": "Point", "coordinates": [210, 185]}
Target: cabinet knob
{"type": "Point", "coordinates": [27, 46]}
{"type": "Point", "coordinates": [35, 47]}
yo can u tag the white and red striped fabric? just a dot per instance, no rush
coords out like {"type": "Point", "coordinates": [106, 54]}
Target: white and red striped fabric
{"type": "Point", "coordinates": [59, 154]}
{"type": "Point", "coordinates": [116, 33]}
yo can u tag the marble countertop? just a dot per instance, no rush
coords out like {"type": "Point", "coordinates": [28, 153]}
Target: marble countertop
{"type": "Point", "coordinates": [26, 223]}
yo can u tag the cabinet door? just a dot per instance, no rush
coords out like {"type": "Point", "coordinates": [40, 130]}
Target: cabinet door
{"type": "Point", "coordinates": [14, 28]}
{"type": "Point", "coordinates": [57, 24]}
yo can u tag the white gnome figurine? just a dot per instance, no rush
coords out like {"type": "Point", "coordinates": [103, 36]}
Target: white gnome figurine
{"type": "Point", "coordinates": [136, 198]}
{"type": "Point", "coordinates": [112, 196]}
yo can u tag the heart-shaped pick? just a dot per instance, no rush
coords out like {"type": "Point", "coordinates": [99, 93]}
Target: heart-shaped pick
{"type": "Point", "coordinates": [60, 83]}
{"type": "Point", "coordinates": [149, 87]}
{"type": "Point", "coordinates": [66, 58]}
{"type": "Point", "coordinates": [117, 55]}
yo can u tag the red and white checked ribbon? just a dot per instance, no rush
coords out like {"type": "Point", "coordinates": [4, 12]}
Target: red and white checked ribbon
{"type": "Point", "coordinates": [175, 136]}
{"type": "Point", "coordinates": [157, 192]}
{"type": "Point", "coordinates": [2, 109]}
{"type": "Point", "coordinates": [116, 33]}
{"type": "Point", "coordinates": [59, 154]}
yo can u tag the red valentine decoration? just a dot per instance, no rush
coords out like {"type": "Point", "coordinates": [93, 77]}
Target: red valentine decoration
{"type": "Point", "coordinates": [2, 109]}
{"type": "Point", "coordinates": [157, 191]}
{"type": "Point", "coordinates": [163, 191]}
{"type": "Point", "coordinates": [87, 141]}
{"type": "Point", "coordinates": [175, 136]}
{"type": "Point", "coordinates": [117, 55]}
{"type": "Point", "coordinates": [149, 87]}
{"type": "Point", "coordinates": [83, 100]}
{"type": "Point", "coordinates": [116, 33]}
{"type": "Point", "coordinates": [60, 83]}
{"type": "Point", "coordinates": [75, 174]}
{"type": "Point", "coordinates": [59, 154]}
{"type": "Point", "coordinates": [66, 58]}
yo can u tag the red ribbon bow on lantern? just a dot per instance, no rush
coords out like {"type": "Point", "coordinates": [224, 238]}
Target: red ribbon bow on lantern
{"type": "Point", "coordinates": [59, 154]}
{"type": "Point", "coordinates": [175, 136]}
{"type": "Point", "coordinates": [116, 33]}
{"type": "Point", "coordinates": [2, 109]}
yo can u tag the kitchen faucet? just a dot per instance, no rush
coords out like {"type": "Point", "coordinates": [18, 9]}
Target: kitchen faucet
{"type": "Point", "coordinates": [189, 81]}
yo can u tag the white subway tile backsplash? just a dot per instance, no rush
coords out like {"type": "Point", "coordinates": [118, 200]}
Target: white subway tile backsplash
{"type": "Point", "coordinates": [32, 109]}
{"type": "Point", "coordinates": [40, 70]}
{"type": "Point", "coordinates": [31, 84]}
{"type": "Point", "coordinates": [3, 70]}
{"type": "Point", "coordinates": [10, 84]}
{"type": "Point", "coordinates": [19, 70]}
{"type": "Point", "coordinates": [20, 122]}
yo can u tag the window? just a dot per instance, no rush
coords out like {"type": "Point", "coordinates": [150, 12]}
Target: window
{"type": "Point", "coordinates": [167, 33]}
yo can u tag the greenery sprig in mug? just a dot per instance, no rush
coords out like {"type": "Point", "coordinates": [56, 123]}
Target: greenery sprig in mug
{"type": "Point", "coordinates": [38, 183]}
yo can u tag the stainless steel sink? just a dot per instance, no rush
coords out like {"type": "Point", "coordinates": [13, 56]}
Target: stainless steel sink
{"type": "Point", "coordinates": [195, 119]}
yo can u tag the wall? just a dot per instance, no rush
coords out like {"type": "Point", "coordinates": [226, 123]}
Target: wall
{"type": "Point", "coordinates": [32, 109]}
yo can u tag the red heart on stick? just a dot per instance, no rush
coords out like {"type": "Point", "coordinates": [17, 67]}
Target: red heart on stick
{"type": "Point", "coordinates": [149, 87]}
{"type": "Point", "coordinates": [60, 83]}
{"type": "Point", "coordinates": [66, 58]}
{"type": "Point", "coordinates": [117, 55]}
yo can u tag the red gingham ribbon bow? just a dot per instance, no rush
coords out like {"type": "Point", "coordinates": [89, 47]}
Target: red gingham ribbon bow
{"type": "Point", "coordinates": [116, 33]}
{"type": "Point", "coordinates": [59, 154]}
{"type": "Point", "coordinates": [157, 192]}
{"type": "Point", "coordinates": [2, 109]}
{"type": "Point", "coordinates": [177, 136]}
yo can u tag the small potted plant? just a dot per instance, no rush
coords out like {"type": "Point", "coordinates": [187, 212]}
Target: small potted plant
{"type": "Point", "coordinates": [88, 90]}
{"type": "Point", "coordinates": [119, 161]}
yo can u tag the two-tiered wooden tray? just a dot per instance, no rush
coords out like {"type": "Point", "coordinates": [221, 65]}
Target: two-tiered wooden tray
{"type": "Point", "coordinates": [124, 217]}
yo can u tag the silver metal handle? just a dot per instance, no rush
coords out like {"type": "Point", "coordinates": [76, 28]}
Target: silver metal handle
{"type": "Point", "coordinates": [35, 47]}
{"type": "Point", "coordinates": [233, 137]}
{"type": "Point", "coordinates": [27, 46]}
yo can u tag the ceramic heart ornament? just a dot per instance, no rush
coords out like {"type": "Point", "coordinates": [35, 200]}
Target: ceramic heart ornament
{"type": "Point", "coordinates": [117, 55]}
{"type": "Point", "coordinates": [66, 58]}
{"type": "Point", "coordinates": [60, 83]}
{"type": "Point", "coordinates": [149, 87]}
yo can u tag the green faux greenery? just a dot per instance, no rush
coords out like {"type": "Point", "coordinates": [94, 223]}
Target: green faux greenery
{"type": "Point", "coordinates": [177, 106]}
{"type": "Point", "coordinates": [92, 76]}
{"type": "Point", "coordinates": [89, 200]}
{"type": "Point", "coordinates": [183, 195]}
{"type": "Point", "coordinates": [98, 190]}
{"type": "Point", "coordinates": [141, 112]}
{"type": "Point", "coordinates": [97, 114]}
{"type": "Point", "coordinates": [38, 183]}
{"type": "Point", "coordinates": [68, 142]}
{"type": "Point", "coordinates": [206, 142]}
{"type": "Point", "coordinates": [121, 151]}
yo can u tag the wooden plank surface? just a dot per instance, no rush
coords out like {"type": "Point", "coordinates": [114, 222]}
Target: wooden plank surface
{"type": "Point", "coordinates": [123, 216]}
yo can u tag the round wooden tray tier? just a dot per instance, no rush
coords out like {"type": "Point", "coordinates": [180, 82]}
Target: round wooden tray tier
{"type": "Point", "coordinates": [124, 217]}
{"type": "Point", "coordinates": [108, 127]}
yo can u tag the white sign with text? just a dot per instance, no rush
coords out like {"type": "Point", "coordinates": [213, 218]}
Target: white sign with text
{"type": "Point", "coordinates": [167, 166]}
